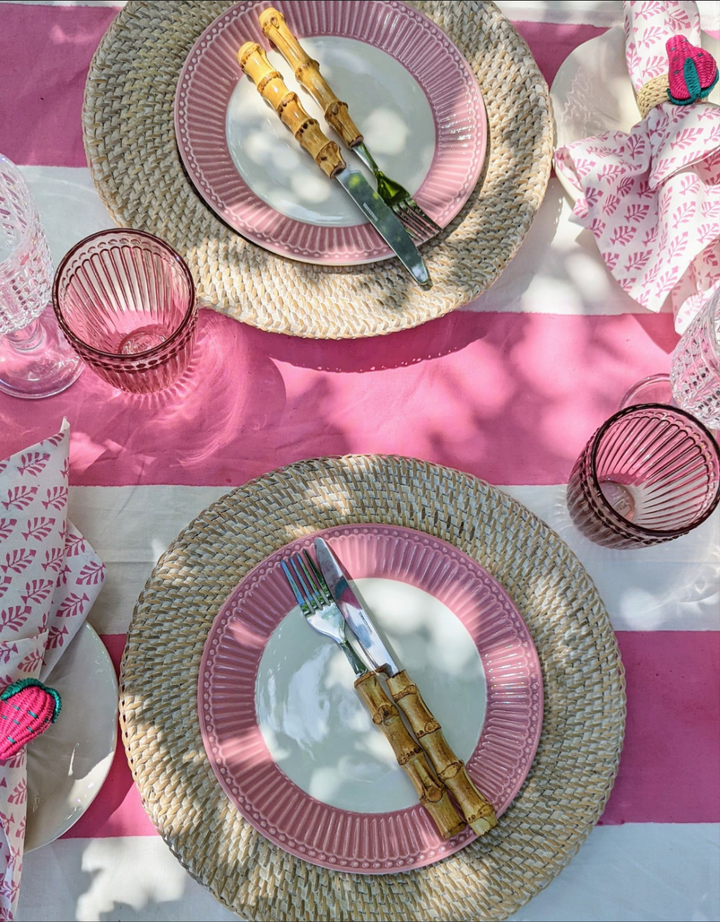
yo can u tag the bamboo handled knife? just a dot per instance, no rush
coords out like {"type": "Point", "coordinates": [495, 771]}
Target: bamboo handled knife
{"type": "Point", "coordinates": [307, 72]}
{"type": "Point", "coordinates": [323, 616]}
{"type": "Point", "coordinates": [326, 154]}
{"type": "Point", "coordinates": [451, 770]}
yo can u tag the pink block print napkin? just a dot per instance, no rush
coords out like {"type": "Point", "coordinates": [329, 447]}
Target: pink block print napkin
{"type": "Point", "coordinates": [652, 197]}
{"type": "Point", "coordinates": [49, 579]}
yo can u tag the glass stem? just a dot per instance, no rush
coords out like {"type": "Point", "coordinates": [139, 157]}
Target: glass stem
{"type": "Point", "coordinates": [28, 338]}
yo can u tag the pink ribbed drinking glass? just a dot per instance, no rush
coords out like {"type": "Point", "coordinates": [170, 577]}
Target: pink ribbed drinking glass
{"type": "Point", "coordinates": [126, 302]}
{"type": "Point", "coordinates": [649, 474]}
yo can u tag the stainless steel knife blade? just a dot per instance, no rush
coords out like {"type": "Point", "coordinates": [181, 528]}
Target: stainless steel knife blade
{"type": "Point", "coordinates": [476, 809]}
{"type": "Point", "coordinates": [352, 610]}
{"type": "Point", "coordinates": [385, 222]}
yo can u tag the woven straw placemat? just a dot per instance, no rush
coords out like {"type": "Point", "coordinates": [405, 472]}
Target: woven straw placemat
{"type": "Point", "coordinates": [584, 713]}
{"type": "Point", "coordinates": [130, 144]}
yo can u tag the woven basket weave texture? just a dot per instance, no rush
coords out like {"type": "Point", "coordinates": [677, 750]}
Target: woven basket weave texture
{"type": "Point", "coordinates": [129, 136]}
{"type": "Point", "coordinates": [584, 711]}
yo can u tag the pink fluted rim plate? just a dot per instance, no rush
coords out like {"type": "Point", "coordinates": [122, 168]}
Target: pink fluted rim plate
{"type": "Point", "coordinates": [284, 731]}
{"type": "Point", "coordinates": [422, 115]}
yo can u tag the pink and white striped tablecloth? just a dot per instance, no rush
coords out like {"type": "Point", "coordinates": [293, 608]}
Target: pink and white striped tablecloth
{"type": "Point", "coordinates": [509, 389]}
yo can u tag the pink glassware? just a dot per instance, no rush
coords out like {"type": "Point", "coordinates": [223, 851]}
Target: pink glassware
{"type": "Point", "coordinates": [649, 474]}
{"type": "Point", "coordinates": [125, 301]}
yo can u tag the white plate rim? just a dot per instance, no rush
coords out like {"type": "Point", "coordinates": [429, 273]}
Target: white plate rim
{"type": "Point", "coordinates": [104, 655]}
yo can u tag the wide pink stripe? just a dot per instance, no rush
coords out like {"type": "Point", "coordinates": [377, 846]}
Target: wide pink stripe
{"type": "Point", "coordinates": [511, 398]}
{"type": "Point", "coordinates": [45, 54]}
{"type": "Point", "coordinates": [117, 810]}
{"type": "Point", "coordinates": [40, 117]}
{"type": "Point", "coordinates": [670, 766]}
{"type": "Point", "coordinates": [551, 43]}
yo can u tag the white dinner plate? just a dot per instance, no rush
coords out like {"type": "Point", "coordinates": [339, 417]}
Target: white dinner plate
{"type": "Point", "coordinates": [69, 763]}
{"type": "Point", "coordinates": [592, 92]}
{"type": "Point", "coordinates": [316, 727]}
{"type": "Point", "coordinates": [277, 170]}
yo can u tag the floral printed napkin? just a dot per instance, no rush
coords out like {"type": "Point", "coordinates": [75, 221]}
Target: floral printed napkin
{"type": "Point", "coordinates": [652, 197]}
{"type": "Point", "coordinates": [49, 579]}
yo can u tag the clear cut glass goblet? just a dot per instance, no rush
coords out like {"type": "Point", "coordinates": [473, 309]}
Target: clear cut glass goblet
{"type": "Point", "coordinates": [694, 380]}
{"type": "Point", "coordinates": [695, 369]}
{"type": "Point", "coordinates": [35, 360]}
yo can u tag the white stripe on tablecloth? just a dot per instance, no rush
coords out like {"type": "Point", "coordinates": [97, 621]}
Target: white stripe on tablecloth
{"type": "Point", "coordinates": [69, 205]}
{"type": "Point", "coordinates": [594, 12]}
{"type": "Point", "coordinates": [629, 872]}
{"type": "Point", "coordinates": [673, 586]}
{"type": "Point", "coordinates": [557, 271]}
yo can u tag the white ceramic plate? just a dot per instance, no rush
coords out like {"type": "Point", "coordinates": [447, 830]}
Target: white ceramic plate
{"type": "Point", "coordinates": [282, 175]}
{"type": "Point", "coordinates": [69, 763]}
{"type": "Point", "coordinates": [592, 92]}
{"type": "Point", "coordinates": [294, 748]}
{"type": "Point", "coordinates": [317, 729]}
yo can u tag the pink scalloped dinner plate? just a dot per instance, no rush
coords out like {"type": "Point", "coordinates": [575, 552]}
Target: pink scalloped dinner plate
{"type": "Point", "coordinates": [288, 738]}
{"type": "Point", "coordinates": [409, 90]}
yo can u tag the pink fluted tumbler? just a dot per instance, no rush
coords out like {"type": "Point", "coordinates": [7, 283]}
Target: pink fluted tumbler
{"type": "Point", "coordinates": [649, 474]}
{"type": "Point", "coordinates": [126, 303]}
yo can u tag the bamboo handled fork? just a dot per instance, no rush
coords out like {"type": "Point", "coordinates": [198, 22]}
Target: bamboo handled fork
{"type": "Point", "coordinates": [307, 72]}
{"type": "Point", "coordinates": [324, 616]}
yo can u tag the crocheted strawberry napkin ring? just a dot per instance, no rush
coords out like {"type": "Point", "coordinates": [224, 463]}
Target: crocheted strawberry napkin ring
{"type": "Point", "coordinates": [27, 708]}
{"type": "Point", "coordinates": [692, 74]}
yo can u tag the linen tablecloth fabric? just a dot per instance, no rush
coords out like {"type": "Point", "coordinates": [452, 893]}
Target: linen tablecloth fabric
{"type": "Point", "coordinates": [651, 198]}
{"type": "Point", "coordinates": [49, 579]}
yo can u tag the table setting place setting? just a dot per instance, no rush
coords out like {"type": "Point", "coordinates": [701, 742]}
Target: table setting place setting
{"type": "Point", "coordinates": [359, 686]}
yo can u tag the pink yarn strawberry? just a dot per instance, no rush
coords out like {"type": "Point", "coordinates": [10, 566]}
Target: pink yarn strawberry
{"type": "Point", "coordinates": [27, 708]}
{"type": "Point", "coordinates": [692, 73]}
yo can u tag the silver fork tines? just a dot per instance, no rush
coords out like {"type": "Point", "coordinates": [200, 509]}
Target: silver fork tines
{"type": "Point", "coordinates": [415, 220]}
{"type": "Point", "coordinates": [316, 604]}
{"type": "Point", "coordinates": [419, 225]}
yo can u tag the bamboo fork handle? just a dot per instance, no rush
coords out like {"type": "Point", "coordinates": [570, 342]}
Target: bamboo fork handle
{"type": "Point", "coordinates": [305, 129]}
{"type": "Point", "coordinates": [307, 72]}
{"type": "Point", "coordinates": [433, 795]}
{"type": "Point", "coordinates": [478, 812]}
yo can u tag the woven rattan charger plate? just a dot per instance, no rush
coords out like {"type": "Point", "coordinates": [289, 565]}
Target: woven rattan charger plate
{"type": "Point", "coordinates": [584, 713]}
{"type": "Point", "coordinates": [130, 143]}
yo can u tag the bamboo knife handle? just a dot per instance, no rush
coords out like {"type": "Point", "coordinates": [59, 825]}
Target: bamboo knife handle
{"type": "Point", "coordinates": [478, 812]}
{"type": "Point", "coordinates": [307, 72]}
{"type": "Point", "coordinates": [305, 129]}
{"type": "Point", "coordinates": [433, 795]}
